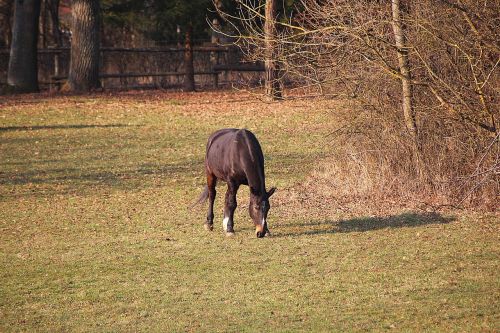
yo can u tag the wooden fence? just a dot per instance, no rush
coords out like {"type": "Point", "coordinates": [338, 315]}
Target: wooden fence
{"type": "Point", "coordinates": [211, 62]}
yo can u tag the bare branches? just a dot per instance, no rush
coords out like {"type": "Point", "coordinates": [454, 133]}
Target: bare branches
{"type": "Point", "coordinates": [348, 48]}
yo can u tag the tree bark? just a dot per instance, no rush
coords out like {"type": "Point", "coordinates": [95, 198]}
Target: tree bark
{"type": "Point", "coordinates": [84, 62]}
{"type": "Point", "coordinates": [272, 80]}
{"type": "Point", "coordinates": [407, 89]}
{"type": "Point", "coordinates": [188, 60]}
{"type": "Point", "coordinates": [54, 22]}
{"type": "Point", "coordinates": [55, 33]}
{"type": "Point", "coordinates": [22, 73]}
{"type": "Point", "coordinates": [6, 12]}
{"type": "Point", "coordinates": [43, 20]}
{"type": "Point", "coordinates": [215, 40]}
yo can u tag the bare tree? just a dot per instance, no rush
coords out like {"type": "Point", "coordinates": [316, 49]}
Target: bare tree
{"type": "Point", "coordinates": [449, 109]}
{"type": "Point", "coordinates": [49, 23]}
{"type": "Point", "coordinates": [188, 59]}
{"type": "Point", "coordinates": [23, 68]}
{"type": "Point", "coordinates": [53, 7]}
{"type": "Point", "coordinates": [406, 81]}
{"type": "Point", "coordinates": [215, 39]}
{"type": "Point", "coordinates": [56, 36]}
{"type": "Point", "coordinates": [458, 49]}
{"type": "Point", "coordinates": [84, 63]}
{"type": "Point", "coordinates": [272, 82]}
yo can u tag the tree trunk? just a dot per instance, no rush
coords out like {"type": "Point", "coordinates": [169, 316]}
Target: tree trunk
{"type": "Point", "coordinates": [49, 23]}
{"type": "Point", "coordinates": [215, 40]}
{"type": "Point", "coordinates": [84, 62]}
{"type": "Point", "coordinates": [56, 33]}
{"type": "Point", "coordinates": [188, 60]}
{"type": "Point", "coordinates": [22, 74]}
{"type": "Point", "coordinates": [407, 89]}
{"type": "Point", "coordinates": [272, 82]}
{"type": "Point", "coordinates": [54, 22]}
{"type": "Point", "coordinates": [43, 28]}
{"type": "Point", "coordinates": [6, 12]}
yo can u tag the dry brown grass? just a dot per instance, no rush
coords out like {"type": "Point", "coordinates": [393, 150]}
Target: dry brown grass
{"type": "Point", "coordinates": [370, 164]}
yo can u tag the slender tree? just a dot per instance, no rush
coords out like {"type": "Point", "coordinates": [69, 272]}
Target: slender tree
{"type": "Point", "coordinates": [407, 89]}
{"type": "Point", "coordinates": [272, 84]}
{"type": "Point", "coordinates": [84, 63]}
{"type": "Point", "coordinates": [53, 6]}
{"type": "Point", "coordinates": [188, 60]}
{"type": "Point", "coordinates": [215, 39]}
{"type": "Point", "coordinates": [43, 24]}
{"type": "Point", "coordinates": [49, 23]}
{"type": "Point", "coordinates": [22, 73]}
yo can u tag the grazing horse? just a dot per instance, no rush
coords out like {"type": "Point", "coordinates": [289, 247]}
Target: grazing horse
{"type": "Point", "coordinates": [235, 157]}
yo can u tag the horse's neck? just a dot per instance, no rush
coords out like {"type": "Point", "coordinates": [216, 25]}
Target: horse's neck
{"type": "Point", "coordinates": [257, 182]}
{"type": "Point", "coordinates": [254, 168]}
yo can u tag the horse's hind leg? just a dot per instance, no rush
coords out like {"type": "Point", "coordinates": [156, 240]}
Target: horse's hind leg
{"type": "Point", "coordinates": [229, 208]}
{"type": "Point", "coordinates": [211, 182]}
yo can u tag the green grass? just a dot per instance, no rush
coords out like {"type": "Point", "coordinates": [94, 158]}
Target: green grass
{"type": "Point", "coordinates": [95, 234]}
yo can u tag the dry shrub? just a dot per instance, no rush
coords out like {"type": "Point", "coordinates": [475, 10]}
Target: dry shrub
{"type": "Point", "coordinates": [372, 163]}
{"type": "Point", "coordinates": [347, 48]}
{"type": "Point", "coordinates": [455, 70]}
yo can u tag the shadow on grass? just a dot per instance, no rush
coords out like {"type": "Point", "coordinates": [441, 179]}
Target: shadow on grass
{"type": "Point", "coordinates": [48, 127]}
{"type": "Point", "coordinates": [80, 180]}
{"type": "Point", "coordinates": [364, 224]}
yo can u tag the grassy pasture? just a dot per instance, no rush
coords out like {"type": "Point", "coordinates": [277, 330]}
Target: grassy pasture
{"type": "Point", "coordinates": [95, 234]}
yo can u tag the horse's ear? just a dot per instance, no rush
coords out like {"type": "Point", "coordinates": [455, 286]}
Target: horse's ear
{"type": "Point", "coordinates": [271, 191]}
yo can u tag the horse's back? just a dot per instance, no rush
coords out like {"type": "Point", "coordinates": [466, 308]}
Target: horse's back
{"type": "Point", "coordinates": [231, 151]}
{"type": "Point", "coordinates": [242, 139]}
{"type": "Point", "coordinates": [221, 136]}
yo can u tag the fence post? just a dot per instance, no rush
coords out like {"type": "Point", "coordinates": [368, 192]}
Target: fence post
{"type": "Point", "coordinates": [216, 80]}
{"type": "Point", "coordinates": [53, 80]}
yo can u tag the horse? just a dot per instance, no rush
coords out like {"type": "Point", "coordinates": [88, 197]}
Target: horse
{"type": "Point", "coordinates": [235, 157]}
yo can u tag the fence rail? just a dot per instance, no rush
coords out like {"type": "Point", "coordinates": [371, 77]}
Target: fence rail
{"type": "Point", "coordinates": [138, 49]}
{"type": "Point", "coordinates": [213, 61]}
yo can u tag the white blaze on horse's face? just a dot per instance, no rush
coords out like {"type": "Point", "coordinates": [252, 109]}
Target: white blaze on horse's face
{"type": "Point", "coordinates": [259, 207]}
{"type": "Point", "coordinates": [260, 218]}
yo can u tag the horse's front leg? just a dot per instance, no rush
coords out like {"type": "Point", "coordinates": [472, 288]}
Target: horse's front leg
{"type": "Point", "coordinates": [211, 182]}
{"type": "Point", "coordinates": [229, 208]}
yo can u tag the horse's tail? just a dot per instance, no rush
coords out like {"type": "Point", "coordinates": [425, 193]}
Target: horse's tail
{"type": "Point", "coordinates": [202, 198]}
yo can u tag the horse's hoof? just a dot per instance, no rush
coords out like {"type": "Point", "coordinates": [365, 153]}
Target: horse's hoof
{"type": "Point", "coordinates": [208, 227]}
{"type": "Point", "coordinates": [229, 234]}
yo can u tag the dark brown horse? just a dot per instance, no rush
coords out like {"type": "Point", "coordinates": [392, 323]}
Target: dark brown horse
{"type": "Point", "coordinates": [235, 156]}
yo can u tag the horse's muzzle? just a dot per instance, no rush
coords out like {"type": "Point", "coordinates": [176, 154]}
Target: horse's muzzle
{"type": "Point", "coordinates": [260, 234]}
{"type": "Point", "coordinates": [262, 230]}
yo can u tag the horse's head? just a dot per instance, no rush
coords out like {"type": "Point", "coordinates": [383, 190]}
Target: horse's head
{"type": "Point", "coordinates": [259, 207]}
